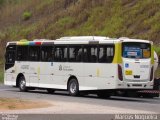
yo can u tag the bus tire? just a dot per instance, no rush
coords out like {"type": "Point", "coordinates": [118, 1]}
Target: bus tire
{"type": "Point", "coordinates": [73, 87]}
{"type": "Point", "coordinates": [22, 84]}
{"type": "Point", "coordinates": [50, 91]}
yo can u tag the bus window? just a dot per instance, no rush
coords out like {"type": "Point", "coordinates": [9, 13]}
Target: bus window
{"type": "Point", "coordinates": [47, 53]}
{"type": "Point", "coordinates": [34, 53]}
{"type": "Point", "coordinates": [106, 54]}
{"type": "Point", "coordinates": [75, 54]}
{"type": "Point", "coordinates": [10, 57]}
{"type": "Point", "coordinates": [136, 50]}
{"type": "Point", "coordinates": [22, 53]}
{"type": "Point", "coordinates": [90, 54]}
{"type": "Point", "coordinates": [60, 54]}
{"type": "Point", "coordinates": [11, 48]}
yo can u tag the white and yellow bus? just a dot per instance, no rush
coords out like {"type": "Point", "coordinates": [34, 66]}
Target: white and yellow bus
{"type": "Point", "coordinates": [86, 63]}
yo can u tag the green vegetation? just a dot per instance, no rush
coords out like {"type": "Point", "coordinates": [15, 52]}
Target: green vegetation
{"type": "Point", "coordinates": [1, 2]}
{"type": "Point", "coordinates": [1, 75]}
{"type": "Point", "coordinates": [157, 49]}
{"type": "Point", "coordinates": [26, 15]}
{"type": "Point", "coordinates": [51, 19]}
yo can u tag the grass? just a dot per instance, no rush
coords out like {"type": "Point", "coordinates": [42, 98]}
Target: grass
{"type": "Point", "coordinates": [43, 4]}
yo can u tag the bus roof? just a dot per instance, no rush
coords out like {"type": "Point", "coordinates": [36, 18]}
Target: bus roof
{"type": "Point", "coordinates": [85, 38]}
{"type": "Point", "coordinates": [77, 40]}
{"type": "Point", "coordinates": [125, 39]}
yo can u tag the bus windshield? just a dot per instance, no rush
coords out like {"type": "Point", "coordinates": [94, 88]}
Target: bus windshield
{"type": "Point", "coordinates": [136, 50]}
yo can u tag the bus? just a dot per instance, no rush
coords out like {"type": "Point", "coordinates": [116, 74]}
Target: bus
{"type": "Point", "coordinates": [92, 64]}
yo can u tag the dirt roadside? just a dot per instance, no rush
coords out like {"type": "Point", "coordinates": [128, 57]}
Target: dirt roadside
{"type": "Point", "coordinates": [59, 107]}
{"type": "Point", "coordinates": [18, 104]}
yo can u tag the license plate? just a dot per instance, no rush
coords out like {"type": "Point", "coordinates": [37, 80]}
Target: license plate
{"type": "Point", "coordinates": [128, 72]}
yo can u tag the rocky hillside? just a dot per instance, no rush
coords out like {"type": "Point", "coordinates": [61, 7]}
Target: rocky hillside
{"type": "Point", "coordinates": [52, 19]}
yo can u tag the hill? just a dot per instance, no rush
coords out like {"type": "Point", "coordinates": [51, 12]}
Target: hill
{"type": "Point", "coordinates": [54, 18]}
{"type": "Point", "coordinates": [51, 19]}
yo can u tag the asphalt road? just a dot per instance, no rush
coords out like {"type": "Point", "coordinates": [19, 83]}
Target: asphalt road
{"type": "Point", "coordinates": [64, 103]}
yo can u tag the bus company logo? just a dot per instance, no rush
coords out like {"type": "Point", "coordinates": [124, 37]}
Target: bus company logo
{"type": "Point", "coordinates": [60, 67]}
{"type": "Point", "coordinates": [25, 67]}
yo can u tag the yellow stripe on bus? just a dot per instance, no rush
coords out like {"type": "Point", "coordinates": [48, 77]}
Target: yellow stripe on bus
{"type": "Point", "coordinates": [22, 43]}
{"type": "Point", "coordinates": [118, 53]}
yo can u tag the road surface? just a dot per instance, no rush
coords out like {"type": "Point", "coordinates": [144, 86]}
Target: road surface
{"type": "Point", "coordinates": [62, 103]}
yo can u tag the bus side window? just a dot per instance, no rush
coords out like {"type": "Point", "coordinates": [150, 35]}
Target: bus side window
{"type": "Point", "coordinates": [110, 54]}
{"type": "Point", "coordinates": [85, 55]}
{"type": "Point", "coordinates": [102, 54]}
{"type": "Point", "coordinates": [79, 55]}
{"type": "Point", "coordinates": [61, 54]}
{"type": "Point", "coordinates": [93, 54]}
{"type": "Point", "coordinates": [10, 57]}
{"type": "Point", "coordinates": [90, 54]}
{"type": "Point", "coordinates": [34, 53]}
{"type": "Point", "coordinates": [75, 53]}
{"type": "Point", "coordinates": [106, 54]}
{"type": "Point", "coordinates": [47, 53]}
{"type": "Point", "coordinates": [22, 53]}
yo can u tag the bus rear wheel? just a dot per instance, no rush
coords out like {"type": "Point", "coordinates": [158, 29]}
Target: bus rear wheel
{"type": "Point", "coordinates": [73, 87]}
{"type": "Point", "coordinates": [22, 84]}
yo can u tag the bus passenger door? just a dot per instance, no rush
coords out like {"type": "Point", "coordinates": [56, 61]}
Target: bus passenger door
{"type": "Point", "coordinates": [9, 65]}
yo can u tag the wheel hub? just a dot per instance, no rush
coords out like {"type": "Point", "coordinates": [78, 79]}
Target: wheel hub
{"type": "Point", "coordinates": [22, 84]}
{"type": "Point", "coordinates": [73, 87]}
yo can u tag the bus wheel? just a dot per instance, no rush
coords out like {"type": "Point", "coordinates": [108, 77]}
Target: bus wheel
{"type": "Point", "coordinates": [102, 94]}
{"type": "Point", "coordinates": [73, 87]}
{"type": "Point", "coordinates": [50, 91]}
{"type": "Point", "coordinates": [22, 84]}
